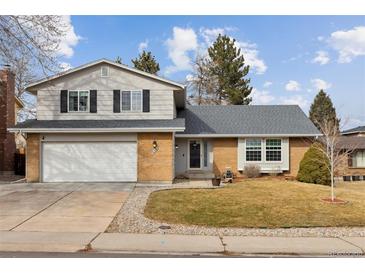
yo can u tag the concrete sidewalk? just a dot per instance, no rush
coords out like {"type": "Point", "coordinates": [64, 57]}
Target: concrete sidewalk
{"type": "Point", "coordinates": [180, 244]}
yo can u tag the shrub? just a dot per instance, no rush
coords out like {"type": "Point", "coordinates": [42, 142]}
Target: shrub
{"type": "Point", "coordinates": [252, 171]}
{"type": "Point", "coordinates": [313, 168]}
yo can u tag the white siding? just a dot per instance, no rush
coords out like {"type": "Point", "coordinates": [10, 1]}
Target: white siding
{"type": "Point", "coordinates": [265, 166]}
{"type": "Point", "coordinates": [161, 95]}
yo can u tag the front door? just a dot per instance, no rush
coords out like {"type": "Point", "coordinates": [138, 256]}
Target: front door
{"type": "Point", "coordinates": [194, 154]}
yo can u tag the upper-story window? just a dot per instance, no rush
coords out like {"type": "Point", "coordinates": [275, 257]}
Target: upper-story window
{"type": "Point", "coordinates": [131, 100]}
{"type": "Point", "coordinates": [78, 101]}
{"type": "Point", "coordinates": [273, 150]}
{"type": "Point", "coordinates": [104, 71]}
{"type": "Point", "coordinates": [253, 150]}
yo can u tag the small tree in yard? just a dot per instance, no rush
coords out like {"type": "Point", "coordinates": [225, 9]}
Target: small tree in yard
{"type": "Point", "coordinates": [332, 150]}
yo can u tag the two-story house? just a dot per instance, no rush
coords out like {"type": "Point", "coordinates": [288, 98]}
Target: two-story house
{"type": "Point", "coordinates": [106, 122]}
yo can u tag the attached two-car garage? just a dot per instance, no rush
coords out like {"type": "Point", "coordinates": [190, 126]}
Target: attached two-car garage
{"type": "Point", "coordinates": [89, 158]}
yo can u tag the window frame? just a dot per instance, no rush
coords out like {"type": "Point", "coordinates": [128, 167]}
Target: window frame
{"type": "Point", "coordinates": [281, 150]}
{"type": "Point", "coordinates": [261, 150]}
{"type": "Point", "coordinates": [107, 71]}
{"type": "Point", "coordinates": [354, 159]}
{"type": "Point", "coordinates": [78, 101]}
{"type": "Point", "coordinates": [131, 101]}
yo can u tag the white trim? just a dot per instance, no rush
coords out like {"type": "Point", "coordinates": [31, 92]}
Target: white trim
{"type": "Point", "coordinates": [110, 63]}
{"type": "Point", "coordinates": [243, 135]}
{"type": "Point", "coordinates": [80, 130]}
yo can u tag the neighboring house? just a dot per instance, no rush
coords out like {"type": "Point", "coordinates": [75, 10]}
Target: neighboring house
{"type": "Point", "coordinates": [107, 122]}
{"type": "Point", "coordinates": [357, 131]}
{"type": "Point", "coordinates": [7, 119]}
{"type": "Point", "coordinates": [353, 168]}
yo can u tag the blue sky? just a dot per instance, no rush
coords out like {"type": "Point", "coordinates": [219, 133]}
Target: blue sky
{"type": "Point", "coordinates": [291, 57]}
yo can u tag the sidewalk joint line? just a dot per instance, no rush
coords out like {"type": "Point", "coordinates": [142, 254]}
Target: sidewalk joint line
{"type": "Point", "coordinates": [362, 250]}
{"type": "Point", "coordinates": [37, 213]}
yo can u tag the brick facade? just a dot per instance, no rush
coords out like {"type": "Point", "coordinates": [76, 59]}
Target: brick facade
{"type": "Point", "coordinates": [155, 166]}
{"type": "Point", "coordinates": [32, 159]}
{"type": "Point", "coordinates": [225, 155]}
{"type": "Point", "coordinates": [297, 148]}
{"type": "Point", "coordinates": [7, 119]}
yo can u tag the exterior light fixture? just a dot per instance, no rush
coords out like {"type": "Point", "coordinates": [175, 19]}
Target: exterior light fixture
{"type": "Point", "coordinates": [154, 146]}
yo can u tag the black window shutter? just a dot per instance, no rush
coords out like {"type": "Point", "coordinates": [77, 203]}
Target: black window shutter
{"type": "Point", "coordinates": [63, 101]}
{"type": "Point", "coordinates": [93, 101]}
{"type": "Point", "coordinates": [146, 100]}
{"type": "Point", "coordinates": [116, 100]}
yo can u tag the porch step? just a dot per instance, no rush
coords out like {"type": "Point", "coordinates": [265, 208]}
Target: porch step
{"type": "Point", "coordinates": [199, 175]}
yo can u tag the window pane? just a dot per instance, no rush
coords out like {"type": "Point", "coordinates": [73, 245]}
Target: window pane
{"type": "Point", "coordinates": [126, 100]}
{"type": "Point", "coordinates": [273, 150]}
{"type": "Point", "coordinates": [253, 150]}
{"type": "Point", "coordinates": [136, 101]}
{"type": "Point", "coordinates": [73, 101]}
{"type": "Point", "coordinates": [205, 145]}
{"type": "Point", "coordinates": [84, 100]}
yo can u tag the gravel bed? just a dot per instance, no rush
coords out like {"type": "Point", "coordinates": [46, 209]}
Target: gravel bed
{"type": "Point", "coordinates": [131, 219]}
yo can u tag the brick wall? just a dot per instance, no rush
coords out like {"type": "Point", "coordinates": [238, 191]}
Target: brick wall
{"type": "Point", "coordinates": [7, 119]}
{"type": "Point", "coordinates": [32, 158]}
{"type": "Point", "coordinates": [155, 166]}
{"type": "Point", "coordinates": [297, 148]}
{"type": "Point", "coordinates": [225, 155]}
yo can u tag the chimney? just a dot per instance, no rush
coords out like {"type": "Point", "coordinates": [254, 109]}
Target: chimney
{"type": "Point", "coordinates": [7, 119]}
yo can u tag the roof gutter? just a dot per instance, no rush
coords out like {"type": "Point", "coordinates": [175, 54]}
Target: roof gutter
{"type": "Point", "coordinates": [94, 130]}
{"type": "Point", "coordinates": [243, 135]}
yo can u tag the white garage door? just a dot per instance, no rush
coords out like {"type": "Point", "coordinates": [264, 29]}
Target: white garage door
{"type": "Point", "coordinates": [89, 162]}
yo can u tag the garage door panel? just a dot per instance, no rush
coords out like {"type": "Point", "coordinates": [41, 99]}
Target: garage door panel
{"type": "Point", "coordinates": [89, 161]}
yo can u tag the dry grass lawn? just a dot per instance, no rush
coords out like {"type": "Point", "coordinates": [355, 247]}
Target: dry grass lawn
{"type": "Point", "coordinates": [266, 203]}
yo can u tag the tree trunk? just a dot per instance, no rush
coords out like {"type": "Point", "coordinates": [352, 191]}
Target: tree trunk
{"type": "Point", "coordinates": [332, 177]}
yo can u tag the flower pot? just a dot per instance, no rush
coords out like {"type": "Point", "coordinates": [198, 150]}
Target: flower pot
{"type": "Point", "coordinates": [216, 181]}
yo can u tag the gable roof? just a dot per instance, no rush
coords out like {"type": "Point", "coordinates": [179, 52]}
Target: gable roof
{"type": "Point", "coordinates": [106, 61]}
{"type": "Point", "coordinates": [248, 120]}
{"type": "Point", "coordinates": [354, 130]}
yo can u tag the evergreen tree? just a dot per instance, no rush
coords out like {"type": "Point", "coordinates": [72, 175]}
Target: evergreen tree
{"type": "Point", "coordinates": [228, 66]}
{"type": "Point", "coordinates": [323, 110]}
{"type": "Point", "coordinates": [146, 62]}
{"type": "Point", "coordinates": [118, 60]}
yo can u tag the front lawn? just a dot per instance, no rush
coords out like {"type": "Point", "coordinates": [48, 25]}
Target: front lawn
{"type": "Point", "coordinates": [270, 203]}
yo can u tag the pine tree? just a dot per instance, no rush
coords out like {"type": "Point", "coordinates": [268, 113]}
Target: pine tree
{"type": "Point", "coordinates": [323, 110]}
{"type": "Point", "coordinates": [118, 60]}
{"type": "Point", "coordinates": [146, 62]}
{"type": "Point", "coordinates": [228, 66]}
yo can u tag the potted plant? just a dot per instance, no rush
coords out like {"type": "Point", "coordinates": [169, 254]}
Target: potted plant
{"type": "Point", "coordinates": [216, 181]}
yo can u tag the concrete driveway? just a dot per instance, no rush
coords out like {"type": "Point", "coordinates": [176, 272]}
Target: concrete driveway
{"type": "Point", "coordinates": [61, 207]}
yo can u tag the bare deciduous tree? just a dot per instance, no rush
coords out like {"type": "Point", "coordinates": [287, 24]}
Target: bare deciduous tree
{"type": "Point", "coordinates": [29, 44]}
{"type": "Point", "coordinates": [333, 150]}
{"type": "Point", "coordinates": [203, 84]}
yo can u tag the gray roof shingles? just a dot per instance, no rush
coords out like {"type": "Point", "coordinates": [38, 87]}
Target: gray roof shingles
{"type": "Point", "coordinates": [85, 124]}
{"type": "Point", "coordinates": [354, 130]}
{"type": "Point", "coordinates": [240, 120]}
{"type": "Point", "coordinates": [250, 119]}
